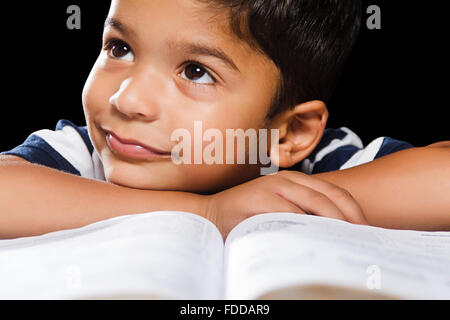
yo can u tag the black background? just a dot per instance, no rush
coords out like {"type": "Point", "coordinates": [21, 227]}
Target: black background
{"type": "Point", "coordinates": [287, 309]}
{"type": "Point", "coordinates": [394, 84]}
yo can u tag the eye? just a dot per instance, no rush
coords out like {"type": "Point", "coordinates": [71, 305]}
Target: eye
{"type": "Point", "coordinates": [119, 49]}
{"type": "Point", "coordinates": [197, 73]}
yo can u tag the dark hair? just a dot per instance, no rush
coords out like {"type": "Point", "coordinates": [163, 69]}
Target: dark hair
{"type": "Point", "coordinates": [308, 40]}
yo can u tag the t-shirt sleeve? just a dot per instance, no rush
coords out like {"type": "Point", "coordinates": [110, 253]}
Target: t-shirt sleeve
{"type": "Point", "coordinates": [341, 149]}
{"type": "Point", "coordinates": [67, 148]}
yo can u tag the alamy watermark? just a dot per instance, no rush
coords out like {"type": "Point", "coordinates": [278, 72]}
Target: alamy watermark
{"type": "Point", "coordinates": [73, 277]}
{"type": "Point", "coordinates": [73, 21]}
{"type": "Point", "coordinates": [221, 150]}
{"type": "Point", "coordinates": [374, 279]}
{"type": "Point", "coordinates": [373, 21]}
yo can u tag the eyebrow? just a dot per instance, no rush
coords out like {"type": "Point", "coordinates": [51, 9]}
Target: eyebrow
{"type": "Point", "coordinates": [202, 49]}
{"type": "Point", "coordinates": [119, 26]}
{"type": "Point", "coordinates": [193, 48]}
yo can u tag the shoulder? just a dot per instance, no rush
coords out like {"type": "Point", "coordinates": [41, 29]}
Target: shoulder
{"type": "Point", "coordinates": [73, 133]}
{"type": "Point", "coordinates": [67, 148]}
{"type": "Point", "coordinates": [342, 148]}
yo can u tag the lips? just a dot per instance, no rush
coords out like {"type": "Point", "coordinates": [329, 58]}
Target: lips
{"type": "Point", "coordinates": [134, 149]}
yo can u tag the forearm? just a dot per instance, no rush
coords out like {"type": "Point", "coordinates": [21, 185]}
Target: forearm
{"type": "Point", "coordinates": [35, 200]}
{"type": "Point", "coordinates": [409, 189]}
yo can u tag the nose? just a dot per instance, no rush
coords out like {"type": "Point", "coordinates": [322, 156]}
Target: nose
{"type": "Point", "coordinates": [136, 99]}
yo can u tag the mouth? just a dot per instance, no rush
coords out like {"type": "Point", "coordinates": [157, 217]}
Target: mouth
{"type": "Point", "coordinates": [134, 149]}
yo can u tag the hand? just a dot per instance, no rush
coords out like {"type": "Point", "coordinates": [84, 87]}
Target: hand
{"type": "Point", "coordinates": [286, 191]}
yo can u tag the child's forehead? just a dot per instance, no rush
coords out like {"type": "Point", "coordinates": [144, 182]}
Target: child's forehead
{"type": "Point", "coordinates": [164, 32]}
{"type": "Point", "coordinates": [193, 25]}
{"type": "Point", "coordinates": [187, 14]}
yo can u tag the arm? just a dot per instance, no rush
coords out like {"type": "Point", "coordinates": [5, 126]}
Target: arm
{"type": "Point", "coordinates": [35, 200]}
{"type": "Point", "coordinates": [409, 189]}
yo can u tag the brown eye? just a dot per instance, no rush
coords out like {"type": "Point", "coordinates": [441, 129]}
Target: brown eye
{"type": "Point", "coordinates": [119, 49]}
{"type": "Point", "coordinates": [194, 72]}
{"type": "Point", "coordinates": [198, 74]}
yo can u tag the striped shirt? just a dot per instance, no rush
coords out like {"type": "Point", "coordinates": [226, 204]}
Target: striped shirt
{"type": "Point", "coordinates": [68, 148]}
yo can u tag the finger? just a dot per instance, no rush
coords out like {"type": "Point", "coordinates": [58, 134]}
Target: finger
{"type": "Point", "coordinates": [348, 205]}
{"type": "Point", "coordinates": [280, 204]}
{"type": "Point", "coordinates": [341, 197]}
{"type": "Point", "coordinates": [309, 200]}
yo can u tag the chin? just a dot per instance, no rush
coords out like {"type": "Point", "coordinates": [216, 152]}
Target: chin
{"type": "Point", "coordinates": [151, 177]}
{"type": "Point", "coordinates": [160, 177]}
{"type": "Point", "coordinates": [162, 183]}
{"type": "Point", "coordinates": [134, 180]}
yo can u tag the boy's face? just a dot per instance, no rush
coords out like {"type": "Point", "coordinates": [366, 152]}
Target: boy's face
{"type": "Point", "coordinates": [165, 64]}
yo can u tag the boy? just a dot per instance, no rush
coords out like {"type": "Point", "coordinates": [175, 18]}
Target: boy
{"type": "Point", "coordinates": [231, 64]}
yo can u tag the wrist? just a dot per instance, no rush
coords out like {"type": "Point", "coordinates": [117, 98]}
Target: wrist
{"type": "Point", "coordinates": [182, 201]}
{"type": "Point", "coordinates": [207, 207]}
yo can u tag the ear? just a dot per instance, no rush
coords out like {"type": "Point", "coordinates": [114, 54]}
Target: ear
{"type": "Point", "coordinates": [300, 130]}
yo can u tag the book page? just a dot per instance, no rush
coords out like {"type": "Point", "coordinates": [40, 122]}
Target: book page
{"type": "Point", "coordinates": [158, 255]}
{"type": "Point", "coordinates": [283, 255]}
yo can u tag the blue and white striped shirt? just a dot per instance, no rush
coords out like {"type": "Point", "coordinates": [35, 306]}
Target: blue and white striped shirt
{"type": "Point", "coordinates": [69, 148]}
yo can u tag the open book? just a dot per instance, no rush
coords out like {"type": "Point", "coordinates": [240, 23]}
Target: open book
{"type": "Point", "coordinates": [177, 255]}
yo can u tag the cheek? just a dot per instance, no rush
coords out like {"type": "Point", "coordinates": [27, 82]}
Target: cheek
{"type": "Point", "coordinates": [243, 109]}
{"type": "Point", "coordinates": [95, 100]}
{"type": "Point", "coordinates": [98, 89]}
{"type": "Point", "coordinates": [94, 96]}
{"type": "Point", "coordinates": [239, 116]}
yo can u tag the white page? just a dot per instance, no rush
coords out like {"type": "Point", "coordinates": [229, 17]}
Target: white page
{"type": "Point", "coordinates": [272, 251]}
{"type": "Point", "coordinates": [153, 255]}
